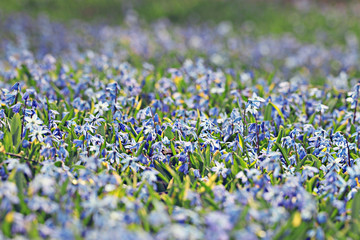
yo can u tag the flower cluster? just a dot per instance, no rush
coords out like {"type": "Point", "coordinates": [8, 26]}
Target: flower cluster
{"type": "Point", "coordinates": [95, 147]}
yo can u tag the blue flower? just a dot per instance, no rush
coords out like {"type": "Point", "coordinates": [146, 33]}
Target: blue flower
{"type": "Point", "coordinates": [16, 107]}
{"type": "Point", "coordinates": [220, 169]}
{"type": "Point", "coordinates": [184, 168]}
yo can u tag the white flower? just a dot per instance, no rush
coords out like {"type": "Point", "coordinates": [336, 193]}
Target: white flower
{"type": "Point", "coordinates": [254, 103]}
{"type": "Point", "coordinates": [101, 107]}
{"type": "Point", "coordinates": [256, 98]}
{"type": "Point", "coordinates": [38, 133]}
{"type": "Point", "coordinates": [33, 121]}
{"type": "Point", "coordinates": [220, 169]}
{"type": "Point", "coordinates": [321, 108]}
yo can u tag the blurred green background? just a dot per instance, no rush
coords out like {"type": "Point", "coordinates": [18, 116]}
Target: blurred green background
{"type": "Point", "coordinates": [304, 19]}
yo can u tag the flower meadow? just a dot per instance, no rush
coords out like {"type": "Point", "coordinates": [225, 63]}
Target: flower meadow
{"type": "Point", "coordinates": [170, 132]}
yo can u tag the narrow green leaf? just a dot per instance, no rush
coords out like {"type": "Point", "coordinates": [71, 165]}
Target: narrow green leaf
{"type": "Point", "coordinates": [278, 110]}
{"type": "Point", "coordinates": [172, 146]}
{"type": "Point", "coordinates": [283, 152]}
{"type": "Point", "coordinates": [207, 156]}
{"type": "Point", "coordinates": [278, 140]}
{"type": "Point", "coordinates": [311, 184]}
{"type": "Point", "coordinates": [139, 151]}
{"type": "Point", "coordinates": [355, 213]}
{"type": "Point", "coordinates": [15, 126]}
{"type": "Point", "coordinates": [267, 114]}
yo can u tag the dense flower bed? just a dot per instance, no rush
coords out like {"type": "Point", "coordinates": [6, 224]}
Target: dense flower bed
{"type": "Point", "coordinates": [236, 144]}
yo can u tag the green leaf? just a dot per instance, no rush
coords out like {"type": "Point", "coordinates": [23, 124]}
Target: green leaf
{"type": "Point", "coordinates": [211, 202]}
{"type": "Point", "coordinates": [34, 149]}
{"type": "Point", "coordinates": [139, 151]}
{"type": "Point", "coordinates": [355, 213]}
{"type": "Point", "coordinates": [20, 183]}
{"type": "Point", "coordinates": [58, 92]}
{"type": "Point", "coordinates": [172, 146]}
{"type": "Point", "coordinates": [197, 126]}
{"type": "Point", "coordinates": [340, 128]}
{"type": "Point", "coordinates": [268, 111]}
{"type": "Point", "coordinates": [67, 116]}
{"type": "Point", "coordinates": [200, 159]}
{"type": "Point", "coordinates": [278, 110]}
{"type": "Point", "coordinates": [168, 133]}
{"type": "Point", "coordinates": [132, 130]}
{"type": "Point", "coordinates": [101, 129]}
{"type": "Point", "coordinates": [352, 129]}
{"type": "Point", "coordinates": [207, 156]}
{"type": "Point", "coordinates": [139, 135]}
{"type": "Point", "coordinates": [251, 118]}
{"type": "Point", "coordinates": [283, 152]}
{"type": "Point", "coordinates": [194, 161]}
{"type": "Point", "coordinates": [317, 161]}
{"type": "Point", "coordinates": [6, 224]}
{"type": "Point", "coordinates": [278, 140]}
{"type": "Point", "coordinates": [301, 163]}
{"type": "Point", "coordinates": [163, 174]}
{"type": "Point", "coordinates": [15, 127]}
{"type": "Point", "coordinates": [64, 187]}
{"type": "Point", "coordinates": [78, 167]}
{"type": "Point", "coordinates": [332, 104]}
{"type": "Point", "coordinates": [8, 141]}
{"type": "Point", "coordinates": [58, 164]}
{"type": "Point", "coordinates": [311, 184]}
{"type": "Point", "coordinates": [312, 118]}
{"type": "Point", "coordinates": [240, 161]}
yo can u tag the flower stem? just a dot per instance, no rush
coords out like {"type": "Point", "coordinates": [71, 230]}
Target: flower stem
{"type": "Point", "coordinates": [354, 119]}
{"type": "Point", "coordinates": [348, 151]}
{"type": "Point", "coordinates": [356, 103]}
{"type": "Point", "coordinates": [257, 136]}
{"type": "Point", "coordinates": [23, 119]}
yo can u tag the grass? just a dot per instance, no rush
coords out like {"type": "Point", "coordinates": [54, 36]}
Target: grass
{"type": "Point", "coordinates": [263, 18]}
{"type": "Point", "coordinates": [118, 151]}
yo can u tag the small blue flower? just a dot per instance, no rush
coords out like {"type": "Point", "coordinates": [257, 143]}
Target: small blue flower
{"type": "Point", "coordinates": [25, 143]}
{"type": "Point", "coordinates": [16, 108]}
